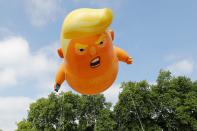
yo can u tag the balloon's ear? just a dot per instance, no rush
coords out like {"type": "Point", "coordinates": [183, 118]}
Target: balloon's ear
{"type": "Point", "coordinates": [60, 53]}
{"type": "Point", "coordinates": [111, 32]}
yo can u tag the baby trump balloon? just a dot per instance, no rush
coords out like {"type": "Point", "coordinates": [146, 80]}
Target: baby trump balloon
{"type": "Point", "coordinates": [90, 60]}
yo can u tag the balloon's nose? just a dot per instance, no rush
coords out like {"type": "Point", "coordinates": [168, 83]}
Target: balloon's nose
{"type": "Point", "coordinates": [92, 50]}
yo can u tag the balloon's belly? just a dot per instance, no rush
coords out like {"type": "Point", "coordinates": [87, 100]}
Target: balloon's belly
{"type": "Point", "coordinates": [95, 84]}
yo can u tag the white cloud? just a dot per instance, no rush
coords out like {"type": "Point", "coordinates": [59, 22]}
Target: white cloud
{"type": "Point", "coordinates": [7, 77]}
{"type": "Point", "coordinates": [172, 57]}
{"type": "Point", "coordinates": [42, 11]}
{"type": "Point", "coordinates": [99, 3]}
{"type": "Point", "coordinates": [19, 63]}
{"type": "Point", "coordinates": [112, 93]}
{"type": "Point", "coordinates": [182, 67]}
{"type": "Point", "coordinates": [12, 109]}
{"type": "Point", "coordinates": [115, 5]}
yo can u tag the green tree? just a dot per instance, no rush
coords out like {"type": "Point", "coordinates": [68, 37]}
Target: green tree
{"type": "Point", "coordinates": [24, 125]}
{"type": "Point", "coordinates": [55, 112]}
{"type": "Point", "coordinates": [105, 121]}
{"type": "Point", "coordinates": [67, 111]}
{"type": "Point", "coordinates": [135, 109]}
{"type": "Point", "coordinates": [91, 107]}
{"type": "Point", "coordinates": [169, 105]}
{"type": "Point", "coordinates": [176, 102]}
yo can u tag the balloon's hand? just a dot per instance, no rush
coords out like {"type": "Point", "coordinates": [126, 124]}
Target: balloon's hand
{"type": "Point", "coordinates": [56, 87]}
{"type": "Point", "coordinates": [129, 60]}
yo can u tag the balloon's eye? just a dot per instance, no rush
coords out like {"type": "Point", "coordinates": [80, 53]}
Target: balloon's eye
{"type": "Point", "coordinates": [101, 43]}
{"type": "Point", "coordinates": [81, 49]}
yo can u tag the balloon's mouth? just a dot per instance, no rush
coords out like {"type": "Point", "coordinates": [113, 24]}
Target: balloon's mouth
{"type": "Point", "coordinates": [95, 62]}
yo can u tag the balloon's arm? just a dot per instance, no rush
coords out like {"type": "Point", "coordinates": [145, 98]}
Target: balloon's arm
{"type": "Point", "coordinates": [122, 55]}
{"type": "Point", "coordinates": [60, 77]}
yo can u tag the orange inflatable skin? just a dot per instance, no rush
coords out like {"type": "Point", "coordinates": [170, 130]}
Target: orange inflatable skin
{"type": "Point", "coordinates": [93, 68]}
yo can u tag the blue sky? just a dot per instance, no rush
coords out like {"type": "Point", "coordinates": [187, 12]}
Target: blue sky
{"type": "Point", "coordinates": [158, 35]}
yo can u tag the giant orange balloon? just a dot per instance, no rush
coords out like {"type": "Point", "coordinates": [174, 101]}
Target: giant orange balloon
{"type": "Point", "coordinates": [90, 61]}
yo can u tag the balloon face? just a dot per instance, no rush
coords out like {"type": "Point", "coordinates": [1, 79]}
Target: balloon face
{"type": "Point", "coordinates": [91, 63]}
{"type": "Point", "coordinates": [91, 56]}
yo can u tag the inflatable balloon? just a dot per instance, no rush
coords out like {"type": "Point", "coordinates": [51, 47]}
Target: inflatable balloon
{"type": "Point", "coordinates": [90, 60]}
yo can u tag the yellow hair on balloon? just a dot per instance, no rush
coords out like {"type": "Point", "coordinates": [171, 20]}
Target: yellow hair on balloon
{"type": "Point", "coordinates": [84, 22]}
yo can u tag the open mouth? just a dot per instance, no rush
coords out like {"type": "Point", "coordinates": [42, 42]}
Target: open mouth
{"type": "Point", "coordinates": [95, 62]}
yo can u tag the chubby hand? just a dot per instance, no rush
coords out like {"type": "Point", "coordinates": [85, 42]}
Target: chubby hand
{"type": "Point", "coordinates": [56, 87]}
{"type": "Point", "coordinates": [129, 60]}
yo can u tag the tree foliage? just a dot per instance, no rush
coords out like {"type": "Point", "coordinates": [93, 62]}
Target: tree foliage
{"type": "Point", "coordinates": [67, 111]}
{"type": "Point", "coordinates": [170, 105]}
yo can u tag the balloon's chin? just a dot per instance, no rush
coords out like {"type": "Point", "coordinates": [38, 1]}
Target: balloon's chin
{"type": "Point", "coordinates": [91, 87]}
{"type": "Point", "coordinates": [96, 84]}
